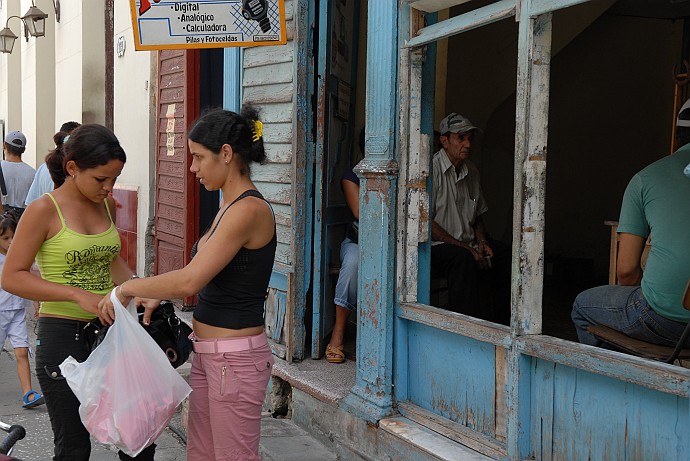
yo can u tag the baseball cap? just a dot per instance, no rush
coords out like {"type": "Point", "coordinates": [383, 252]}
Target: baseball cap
{"type": "Point", "coordinates": [456, 123]}
{"type": "Point", "coordinates": [684, 118]}
{"type": "Point", "coordinates": [16, 139]}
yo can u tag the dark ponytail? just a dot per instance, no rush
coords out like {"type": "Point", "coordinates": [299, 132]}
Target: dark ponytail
{"type": "Point", "coordinates": [55, 159]}
{"type": "Point", "coordinates": [243, 132]}
{"type": "Point", "coordinates": [256, 150]}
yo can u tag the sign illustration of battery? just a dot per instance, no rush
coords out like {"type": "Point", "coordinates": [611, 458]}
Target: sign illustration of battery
{"type": "Point", "coordinates": [256, 10]}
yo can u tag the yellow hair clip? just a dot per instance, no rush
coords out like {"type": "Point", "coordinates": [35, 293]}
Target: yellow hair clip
{"type": "Point", "coordinates": [258, 130]}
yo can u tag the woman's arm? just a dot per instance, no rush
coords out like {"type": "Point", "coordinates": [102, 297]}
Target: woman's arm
{"type": "Point", "coordinates": [120, 271]}
{"type": "Point", "coordinates": [17, 277]}
{"type": "Point", "coordinates": [248, 222]}
{"type": "Point", "coordinates": [351, 196]}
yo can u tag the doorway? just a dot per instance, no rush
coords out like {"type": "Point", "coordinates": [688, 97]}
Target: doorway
{"type": "Point", "coordinates": [336, 75]}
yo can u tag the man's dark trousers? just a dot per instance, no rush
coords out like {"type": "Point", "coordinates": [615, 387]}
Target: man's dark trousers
{"type": "Point", "coordinates": [467, 282]}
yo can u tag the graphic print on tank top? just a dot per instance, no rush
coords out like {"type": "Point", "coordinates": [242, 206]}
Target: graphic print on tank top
{"type": "Point", "coordinates": [89, 268]}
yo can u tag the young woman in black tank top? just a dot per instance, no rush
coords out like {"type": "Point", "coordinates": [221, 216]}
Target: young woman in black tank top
{"type": "Point", "coordinates": [230, 271]}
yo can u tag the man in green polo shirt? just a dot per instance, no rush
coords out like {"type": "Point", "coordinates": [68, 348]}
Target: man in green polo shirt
{"type": "Point", "coordinates": [648, 304]}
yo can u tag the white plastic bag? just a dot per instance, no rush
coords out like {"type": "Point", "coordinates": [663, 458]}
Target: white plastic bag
{"type": "Point", "coordinates": [127, 388]}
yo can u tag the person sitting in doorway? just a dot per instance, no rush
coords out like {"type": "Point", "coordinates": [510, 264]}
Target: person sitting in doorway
{"type": "Point", "coordinates": [648, 305]}
{"type": "Point", "coordinates": [462, 252]}
{"type": "Point", "coordinates": [346, 287]}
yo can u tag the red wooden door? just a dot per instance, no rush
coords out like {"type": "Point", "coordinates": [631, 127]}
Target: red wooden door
{"type": "Point", "coordinates": [176, 213]}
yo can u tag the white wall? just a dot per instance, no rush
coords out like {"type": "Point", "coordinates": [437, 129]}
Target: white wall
{"type": "Point", "coordinates": [10, 72]}
{"type": "Point", "coordinates": [93, 61]}
{"type": "Point", "coordinates": [134, 112]}
{"type": "Point", "coordinates": [68, 59]}
{"type": "Point", "coordinates": [31, 75]}
{"type": "Point", "coordinates": [44, 89]}
{"type": "Point", "coordinates": [37, 85]}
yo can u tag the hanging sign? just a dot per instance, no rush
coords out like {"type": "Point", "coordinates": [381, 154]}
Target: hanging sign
{"type": "Point", "coordinates": [180, 24]}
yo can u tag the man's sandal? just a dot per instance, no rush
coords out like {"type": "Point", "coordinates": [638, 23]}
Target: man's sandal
{"type": "Point", "coordinates": [335, 354]}
{"type": "Point", "coordinates": [36, 401]}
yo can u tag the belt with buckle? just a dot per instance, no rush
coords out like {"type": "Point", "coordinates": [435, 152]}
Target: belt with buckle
{"type": "Point", "coordinates": [214, 346]}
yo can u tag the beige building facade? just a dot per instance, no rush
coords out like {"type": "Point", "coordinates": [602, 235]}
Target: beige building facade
{"type": "Point", "coordinates": [85, 69]}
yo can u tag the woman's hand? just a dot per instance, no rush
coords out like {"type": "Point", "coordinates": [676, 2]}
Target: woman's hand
{"type": "Point", "coordinates": [150, 305]}
{"type": "Point", "coordinates": [106, 309]}
{"type": "Point", "coordinates": [88, 301]}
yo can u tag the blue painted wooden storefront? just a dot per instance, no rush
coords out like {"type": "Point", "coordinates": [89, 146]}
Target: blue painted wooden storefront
{"type": "Point", "coordinates": [508, 393]}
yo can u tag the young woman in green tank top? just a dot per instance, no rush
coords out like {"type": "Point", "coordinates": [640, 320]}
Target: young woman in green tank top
{"type": "Point", "coordinates": [71, 234]}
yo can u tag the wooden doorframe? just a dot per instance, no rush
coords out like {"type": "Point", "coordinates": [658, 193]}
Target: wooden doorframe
{"type": "Point", "coordinates": [192, 196]}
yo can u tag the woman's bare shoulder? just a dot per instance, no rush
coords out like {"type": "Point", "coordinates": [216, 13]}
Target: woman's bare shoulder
{"type": "Point", "coordinates": [253, 220]}
{"type": "Point", "coordinates": [38, 216]}
{"type": "Point", "coordinates": [252, 207]}
{"type": "Point", "coordinates": [42, 205]}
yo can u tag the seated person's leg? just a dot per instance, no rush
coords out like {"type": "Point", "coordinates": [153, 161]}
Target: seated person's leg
{"type": "Point", "coordinates": [458, 266]}
{"type": "Point", "coordinates": [345, 299]}
{"type": "Point", "coordinates": [622, 308]}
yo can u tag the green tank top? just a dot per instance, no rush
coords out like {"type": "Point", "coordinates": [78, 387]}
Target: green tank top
{"type": "Point", "coordinates": [79, 260]}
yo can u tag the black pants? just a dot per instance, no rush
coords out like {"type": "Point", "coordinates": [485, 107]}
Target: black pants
{"type": "Point", "coordinates": [58, 339]}
{"type": "Point", "coordinates": [480, 293]}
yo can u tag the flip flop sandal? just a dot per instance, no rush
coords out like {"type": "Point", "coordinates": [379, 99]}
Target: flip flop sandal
{"type": "Point", "coordinates": [37, 400]}
{"type": "Point", "coordinates": [335, 354]}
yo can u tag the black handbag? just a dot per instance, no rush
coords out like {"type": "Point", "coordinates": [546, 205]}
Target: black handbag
{"type": "Point", "coordinates": [166, 328]}
{"type": "Point", "coordinates": [3, 189]}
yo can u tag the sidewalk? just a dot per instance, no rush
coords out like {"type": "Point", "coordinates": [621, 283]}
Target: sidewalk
{"type": "Point", "coordinates": [281, 439]}
{"type": "Point", "coordinates": [38, 444]}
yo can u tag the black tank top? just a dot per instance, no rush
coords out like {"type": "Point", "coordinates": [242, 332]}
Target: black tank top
{"type": "Point", "coordinates": [235, 297]}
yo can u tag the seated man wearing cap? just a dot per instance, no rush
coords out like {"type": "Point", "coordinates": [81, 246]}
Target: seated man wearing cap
{"type": "Point", "coordinates": [17, 174]}
{"type": "Point", "coordinates": [648, 305]}
{"type": "Point", "coordinates": [462, 252]}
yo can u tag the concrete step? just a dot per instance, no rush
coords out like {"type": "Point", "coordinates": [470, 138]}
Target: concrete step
{"type": "Point", "coordinates": [424, 440]}
{"type": "Point", "coordinates": [283, 440]}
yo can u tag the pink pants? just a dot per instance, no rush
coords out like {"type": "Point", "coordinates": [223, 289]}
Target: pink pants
{"type": "Point", "coordinates": [228, 390]}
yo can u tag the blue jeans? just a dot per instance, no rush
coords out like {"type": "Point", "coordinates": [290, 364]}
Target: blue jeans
{"type": "Point", "coordinates": [346, 288]}
{"type": "Point", "coordinates": [625, 309]}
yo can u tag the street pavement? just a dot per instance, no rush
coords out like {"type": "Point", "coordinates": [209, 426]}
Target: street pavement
{"type": "Point", "coordinates": [38, 443]}
{"type": "Point", "coordinates": [281, 439]}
